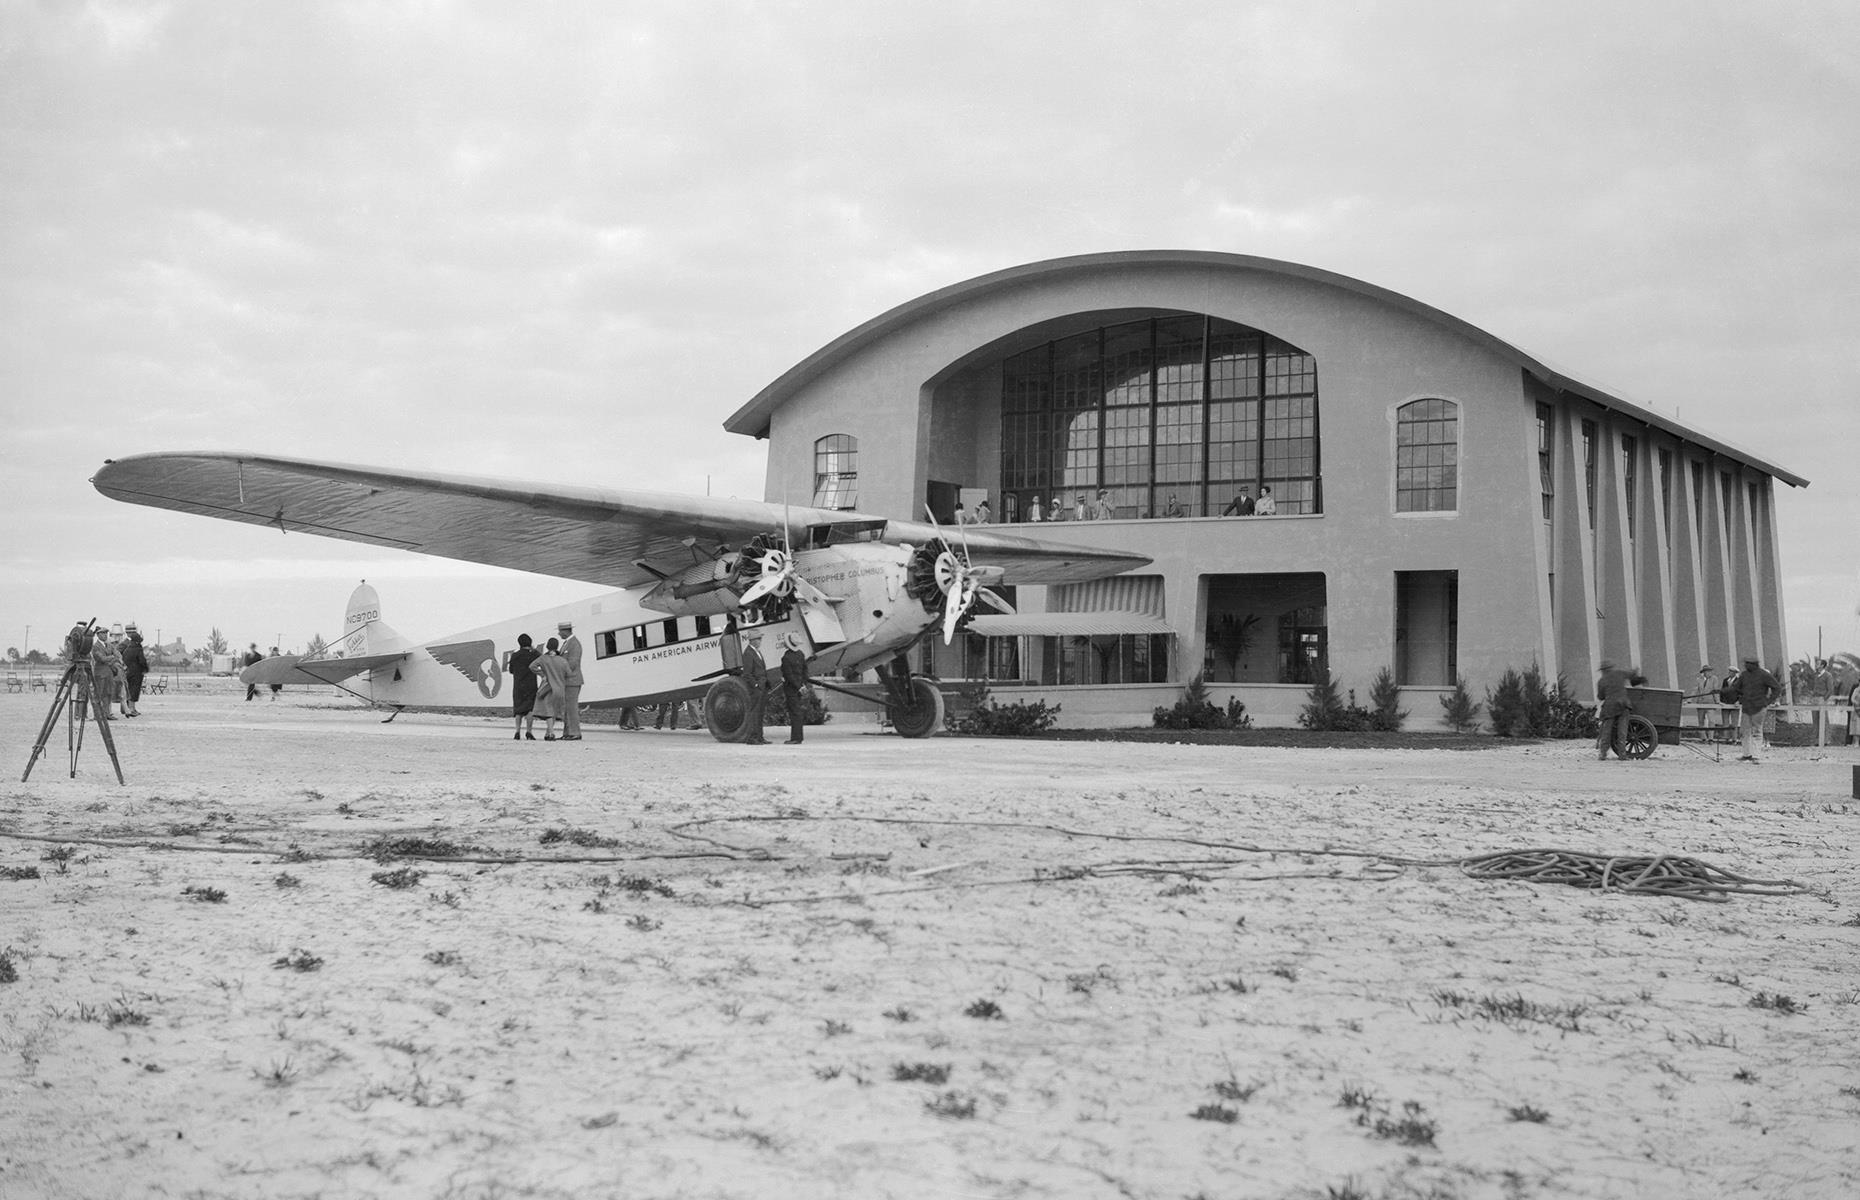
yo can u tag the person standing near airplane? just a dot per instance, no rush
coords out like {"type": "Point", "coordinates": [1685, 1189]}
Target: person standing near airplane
{"type": "Point", "coordinates": [135, 666]}
{"type": "Point", "coordinates": [523, 686]}
{"type": "Point", "coordinates": [552, 669]}
{"type": "Point", "coordinates": [793, 684]}
{"type": "Point", "coordinates": [756, 679]}
{"type": "Point", "coordinates": [571, 693]}
{"type": "Point", "coordinates": [252, 658]}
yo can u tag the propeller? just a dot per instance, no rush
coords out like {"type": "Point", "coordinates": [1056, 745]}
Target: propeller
{"type": "Point", "coordinates": [960, 582]}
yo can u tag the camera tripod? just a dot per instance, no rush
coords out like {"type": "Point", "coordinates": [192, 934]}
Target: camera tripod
{"type": "Point", "coordinates": [76, 693]}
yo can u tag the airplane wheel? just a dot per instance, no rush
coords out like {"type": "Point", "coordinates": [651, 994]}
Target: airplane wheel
{"type": "Point", "coordinates": [1640, 739]}
{"type": "Point", "coordinates": [923, 715]}
{"type": "Point", "coordinates": [726, 710]}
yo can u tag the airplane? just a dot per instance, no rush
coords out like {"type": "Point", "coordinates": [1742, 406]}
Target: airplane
{"type": "Point", "coordinates": [633, 657]}
{"type": "Point", "coordinates": [860, 589]}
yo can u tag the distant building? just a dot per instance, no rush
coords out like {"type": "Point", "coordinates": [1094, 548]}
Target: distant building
{"type": "Point", "coordinates": [1446, 504]}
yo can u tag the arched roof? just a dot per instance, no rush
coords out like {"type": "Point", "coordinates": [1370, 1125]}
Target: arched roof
{"type": "Point", "coordinates": [754, 417]}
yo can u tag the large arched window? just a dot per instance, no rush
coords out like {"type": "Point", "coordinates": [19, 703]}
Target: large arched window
{"type": "Point", "coordinates": [836, 471]}
{"type": "Point", "coordinates": [1168, 415]}
{"type": "Point", "coordinates": [1427, 456]}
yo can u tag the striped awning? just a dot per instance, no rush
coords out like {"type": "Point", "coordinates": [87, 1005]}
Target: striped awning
{"type": "Point", "coordinates": [1069, 624]}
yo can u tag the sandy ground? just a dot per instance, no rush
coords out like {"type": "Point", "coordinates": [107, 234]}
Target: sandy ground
{"type": "Point", "coordinates": [867, 967]}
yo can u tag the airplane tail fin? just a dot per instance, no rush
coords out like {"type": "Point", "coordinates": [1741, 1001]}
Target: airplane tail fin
{"type": "Point", "coordinates": [363, 630]}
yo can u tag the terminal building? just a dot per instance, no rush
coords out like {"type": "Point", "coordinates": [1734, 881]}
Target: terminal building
{"type": "Point", "coordinates": [1443, 504]}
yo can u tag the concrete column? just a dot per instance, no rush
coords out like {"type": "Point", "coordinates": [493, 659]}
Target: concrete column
{"type": "Point", "coordinates": [1689, 647]}
{"type": "Point", "coordinates": [1715, 572]}
{"type": "Point", "coordinates": [1577, 637]}
{"type": "Point", "coordinates": [1770, 624]}
{"type": "Point", "coordinates": [1653, 573]}
{"type": "Point", "coordinates": [1618, 616]}
{"type": "Point", "coordinates": [1743, 580]}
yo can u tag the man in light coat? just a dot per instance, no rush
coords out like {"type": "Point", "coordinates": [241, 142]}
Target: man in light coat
{"type": "Point", "coordinates": [571, 690]}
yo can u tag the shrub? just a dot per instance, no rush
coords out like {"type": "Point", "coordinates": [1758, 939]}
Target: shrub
{"type": "Point", "coordinates": [1386, 713]}
{"type": "Point", "coordinates": [987, 718]}
{"type": "Point", "coordinates": [1461, 709]}
{"type": "Point", "coordinates": [1325, 709]}
{"type": "Point", "coordinates": [1523, 705]}
{"type": "Point", "coordinates": [1195, 711]}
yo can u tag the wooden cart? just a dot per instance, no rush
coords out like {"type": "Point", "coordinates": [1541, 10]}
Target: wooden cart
{"type": "Point", "coordinates": [1659, 717]}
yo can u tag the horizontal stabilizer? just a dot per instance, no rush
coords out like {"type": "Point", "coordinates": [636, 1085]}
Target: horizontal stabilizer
{"type": "Point", "coordinates": [296, 668]}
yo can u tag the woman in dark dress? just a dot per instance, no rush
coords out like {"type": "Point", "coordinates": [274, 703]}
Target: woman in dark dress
{"type": "Point", "coordinates": [523, 687]}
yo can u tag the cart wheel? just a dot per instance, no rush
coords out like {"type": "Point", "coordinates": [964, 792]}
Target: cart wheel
{"type": "Point", "coordinates": [1640, 739]}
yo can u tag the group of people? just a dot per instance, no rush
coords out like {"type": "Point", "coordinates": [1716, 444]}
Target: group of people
{"type": "Point", "coordinates": [547, 683]}
{"type": "Point", "coordinates": [252, 658]}
{"type": "Point", "coordinates": [1100, 508]}
{"type": "Point", "coordinates": [1752, 690]}
{"type": "Point", "coordinates": [116, 665]}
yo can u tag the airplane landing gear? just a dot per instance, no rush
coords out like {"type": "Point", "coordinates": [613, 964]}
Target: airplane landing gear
{"type": "Point", "coordinates": [913, 704]}
{"type": "Point", "coordinates": [727, 709]}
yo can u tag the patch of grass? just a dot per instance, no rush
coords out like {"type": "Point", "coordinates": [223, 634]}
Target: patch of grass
{"type": "Point", "coordinates": [386, 849]}
{"type": "Point", "coordinates": [1411, 1128]}
{"type": "Point", "coordinates": [1216, 1112]}
{"type": "Point", "coordinates": [577, 837]}
{"type": "Point", "coordinates": [900, 1014]}
{"type": "Point", "coordinates": [640, 923]}
{"type": "Point", "coordinates": [1744, 1075]}
{"type": "Point", "coordinates": [1508, 1009]}
{"type": "Point", "coordinates": [443, 958]}
{"type": "Point", "coordinates": [8, 972]}
{"type": "Point", "coordinates": [1852, 922]}
{"type": "Point", "coordinates": [639, 885]}
{"type": "Point", "coordinates": [284, 879]}
{"type": "Point", "coordinates": [951, 1106]}
{"type": "Point", "coordinates": [449, 899]}
{"type": "Point", "coordinates": [835, 1028]}
{"type": "Point", "coordinates": [985, 1010]}
{"type": "Point", "coordinates": [60, 857]}
{"type": "Point", "coordinates": [298, 960]}
{"type": "Point", "coordinates": [1180, 889]}
{"type": "Point", "coordinates": [399, 880]}
{"type": "Point", "coordinates": [1527, 1113]}
{"type": "Point", "coordinates": [297, 854]}
{"type": "Point", "coordinates": [119, 1013]}
{"type": "Point", "coordinates": [1232, 1089]}
{"type": "Point", "coordinates": [922, 1072]}
{"type": "Point", "coordinates": [16, 873]}
{"type": "Point", "coordinates": [1357, 1097]}
{"type": "Point", "coordinates": [1289, 974]}
{"type": "Point", "coordinates": [1777, 1002]}
{"type": "Point", "coordinates": [280, 1073]}
{"type": "Point", "coordinates": [205, 895]}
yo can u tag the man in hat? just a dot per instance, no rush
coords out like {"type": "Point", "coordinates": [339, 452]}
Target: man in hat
{"type": "Point", "coordinates": [756, 679]}
{"type": "Point", "coordinates": [135, 667]}
{"type": "Point", "coordinates": [1757, 689]}
{"type": "Point", "coordinates": [793, 684]}
{"type": "Point", "coordinates": [1611, 689]}
{"type": "Point", "coordinates": [571, 688]}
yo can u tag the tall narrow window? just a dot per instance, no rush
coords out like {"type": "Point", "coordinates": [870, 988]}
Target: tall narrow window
{"type": "Point", "coordinates": [1588, 466]}
{"type": "Point", "coordinates": [836, 471]}
{"type": "Point", "coordinates": [1427, 456]}
{"type": "Point", "coordinates": [1545, 486]}
{"type": "Point", "coordinates": [1630, 450]}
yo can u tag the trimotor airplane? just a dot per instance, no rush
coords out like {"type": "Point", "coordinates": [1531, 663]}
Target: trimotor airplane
{"type": "Point", "coordinates": [860, 589]}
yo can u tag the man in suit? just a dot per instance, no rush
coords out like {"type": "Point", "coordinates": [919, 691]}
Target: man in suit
{"type": "Point", "coordinates": [756, 679]}
{"type": "Point", "coordinates": [571, 691]}
{"type": "Point", "coordinates": [793, 684]}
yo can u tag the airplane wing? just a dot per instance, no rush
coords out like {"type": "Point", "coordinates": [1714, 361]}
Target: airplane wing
{"type": "Point", "coordinates": [596, 535]}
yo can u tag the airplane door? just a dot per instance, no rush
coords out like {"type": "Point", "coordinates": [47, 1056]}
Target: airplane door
{"type": "Point", "coordinates": [943, 498]}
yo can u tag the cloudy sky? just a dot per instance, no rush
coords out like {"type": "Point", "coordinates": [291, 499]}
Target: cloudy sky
{"type": "Point", "coordinates": [563, 241]}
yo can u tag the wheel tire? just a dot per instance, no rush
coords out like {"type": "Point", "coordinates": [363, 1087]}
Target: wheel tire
{"type": "Point", "coordinates": [1640, 739]}
{"type": "Point", "coordinates": [726, 710]}
{"type": "Point", "coordinates": [923, 716]}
